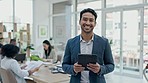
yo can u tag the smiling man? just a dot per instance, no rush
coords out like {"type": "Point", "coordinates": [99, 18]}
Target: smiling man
{"type": "Point", "coordinates": [88, 43]}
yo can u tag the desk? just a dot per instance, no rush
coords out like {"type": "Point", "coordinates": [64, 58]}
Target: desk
{"type": "Point", "coordinates": [44, 75]}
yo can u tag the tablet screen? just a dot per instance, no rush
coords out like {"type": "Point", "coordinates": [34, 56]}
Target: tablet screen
{"type": "Point", "coordinates": [85, 59]}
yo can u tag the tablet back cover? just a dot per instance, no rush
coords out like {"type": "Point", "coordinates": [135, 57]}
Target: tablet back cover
{"type": "Point", "coordinates": [85, 59]}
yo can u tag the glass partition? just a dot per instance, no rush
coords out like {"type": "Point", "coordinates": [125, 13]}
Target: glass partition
{"type": "Point", "coordinates": [113, 34]}
{"type": "Point", "coordinates": [114, 3]}
{"type": "Point", "coordinates": [125, 37]}
{"type": "Point", "coordinates": [96, 4]}
{"type": "Point", "coordinates": [131, 38]}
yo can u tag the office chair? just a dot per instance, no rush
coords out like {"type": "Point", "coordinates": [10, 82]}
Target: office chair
{"type": "Point", "coordinates": [7, 76]}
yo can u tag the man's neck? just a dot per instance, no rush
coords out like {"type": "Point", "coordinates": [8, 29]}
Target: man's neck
{"type": "Point", "coordinates": [87, 37]}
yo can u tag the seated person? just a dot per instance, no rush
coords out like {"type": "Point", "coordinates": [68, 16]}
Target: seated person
{"type": "Point", "coordinates": [0, 58]}
{"type": "Point", "coordinates": [49, 51]}
{"type": "Point", "coordinates": [13, 41]}
{"type": "Point", "coordinates": [9, 51]}
{"type": "Point", "coordinates": [0, 52]}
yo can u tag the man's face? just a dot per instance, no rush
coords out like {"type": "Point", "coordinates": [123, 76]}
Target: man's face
{"type": "Point", "coordinates": [87, 22]}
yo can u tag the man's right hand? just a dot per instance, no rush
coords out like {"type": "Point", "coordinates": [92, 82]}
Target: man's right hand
{"type": "Point", "coordinates": [78, 68]}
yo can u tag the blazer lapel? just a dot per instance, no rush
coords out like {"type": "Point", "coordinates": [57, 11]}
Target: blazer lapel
{"type": "Point", "coordinates": [78, 44]}
{"type": "Point", "coordinates": [76, 47]}
{"type": "Point", "coordinates": [95, 45]}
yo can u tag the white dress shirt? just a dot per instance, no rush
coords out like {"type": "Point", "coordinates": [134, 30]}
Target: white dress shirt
{"type": "Point", "coordinates": [8, 63]}
{"type": "Point", "coordinates": [86, 48]}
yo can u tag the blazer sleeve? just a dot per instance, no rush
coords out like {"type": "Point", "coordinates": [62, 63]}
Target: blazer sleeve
{"type": "Point", "coordinates": [108, 65]}
{"type": "Point", "coordinates": [67, 65]}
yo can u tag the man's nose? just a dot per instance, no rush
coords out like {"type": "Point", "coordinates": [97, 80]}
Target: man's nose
{"type": "Point", "coordinates": [87, 22]}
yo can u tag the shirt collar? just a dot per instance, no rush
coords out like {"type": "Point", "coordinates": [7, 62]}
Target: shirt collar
{"type": "Point", "coordinates": [92, 39]}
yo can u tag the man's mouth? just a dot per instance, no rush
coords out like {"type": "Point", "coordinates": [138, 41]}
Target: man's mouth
{"type": "Point", "coordinates": [87, 27]}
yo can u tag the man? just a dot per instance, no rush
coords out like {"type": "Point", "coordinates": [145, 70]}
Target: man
{"type": "Point", "coordinates": [88, 43]}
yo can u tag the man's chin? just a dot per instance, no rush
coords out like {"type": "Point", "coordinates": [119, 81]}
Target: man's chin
{"type": "Point", "coordinates": [88, 32]}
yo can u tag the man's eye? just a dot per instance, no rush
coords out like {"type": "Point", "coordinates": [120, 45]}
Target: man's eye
{"type": "Point", "coordinates": [91, 20]}
{"type": "Point", "coordinates": [85, 19]}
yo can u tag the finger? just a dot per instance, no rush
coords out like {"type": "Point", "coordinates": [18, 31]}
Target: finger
{"type": "Point", "coordinates": [77, 65]}
{"type": "Point", "coordinates": [79, 69]}
{"type": "Point", "coordinates": [93, 70]}
{"type": "Point", "coordinates": [90, 64]}
{"type": "Point", "coordinates": [90, 68]}
{"type": "Point", "coordinates": [94, 65]}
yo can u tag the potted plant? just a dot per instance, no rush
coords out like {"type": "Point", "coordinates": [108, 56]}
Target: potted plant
{"type": "Point", "coordinates": [27, 49]}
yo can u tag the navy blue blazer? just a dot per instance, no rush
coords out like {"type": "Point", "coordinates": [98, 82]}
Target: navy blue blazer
{"type": "Point", "coordinates": [101, 48]}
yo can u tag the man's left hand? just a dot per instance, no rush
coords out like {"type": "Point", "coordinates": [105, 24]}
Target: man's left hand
{"type": "Point", "coordinates": [94, 67]}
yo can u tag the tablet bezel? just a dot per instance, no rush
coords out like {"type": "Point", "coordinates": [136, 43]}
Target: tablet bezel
{"type": "Point", "coordinates": [84, 59]}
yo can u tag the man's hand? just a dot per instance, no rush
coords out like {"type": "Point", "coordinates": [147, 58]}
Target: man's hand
{"type": "Point", "coordinates": [94, 67]}
{"type": "Point", "coordinates": [78, 68]}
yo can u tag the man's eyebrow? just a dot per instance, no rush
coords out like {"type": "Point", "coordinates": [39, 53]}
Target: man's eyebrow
{"type": "Point", "coordinates": [87, 17]}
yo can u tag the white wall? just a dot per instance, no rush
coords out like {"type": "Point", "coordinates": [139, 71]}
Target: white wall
{"type": "Point", "coordinates": [40, 17]}
{"type": "Point", "coordinates": [41, 14]}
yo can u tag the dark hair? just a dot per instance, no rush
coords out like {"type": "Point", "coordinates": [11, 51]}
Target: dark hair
{"type": "Point", "coordinates": [49, 48]}
{"type": "Point", "coordinates": [13, 41]}
{"type": "Point", "coordinates": [90, 11]}
{"type": "Point", "coordinates": [10, 50]}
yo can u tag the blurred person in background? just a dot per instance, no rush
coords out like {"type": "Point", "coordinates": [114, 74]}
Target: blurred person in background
{"type": "Point", "coordinates": [9, 51]}
{"type": "Point", "coordinates": [49, 51]}
{"type": "Point", "coordinates": [0, 60]}
{"type": "Point", "coordinates": [13, 41]}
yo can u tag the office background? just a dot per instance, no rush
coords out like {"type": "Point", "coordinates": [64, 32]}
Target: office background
{"type": "Point", "coordinates": [123, 22]}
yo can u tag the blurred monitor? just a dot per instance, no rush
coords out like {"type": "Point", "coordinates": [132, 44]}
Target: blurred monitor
{"type": "Point", "coordinates": [20, 57]}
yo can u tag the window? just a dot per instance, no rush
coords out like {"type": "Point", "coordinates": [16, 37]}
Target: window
{"type": "Point", "coordinates": [113, 3]}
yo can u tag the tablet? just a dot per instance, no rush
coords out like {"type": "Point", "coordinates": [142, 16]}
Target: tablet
{"type": "Point", "coordinates": [85, 59]}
